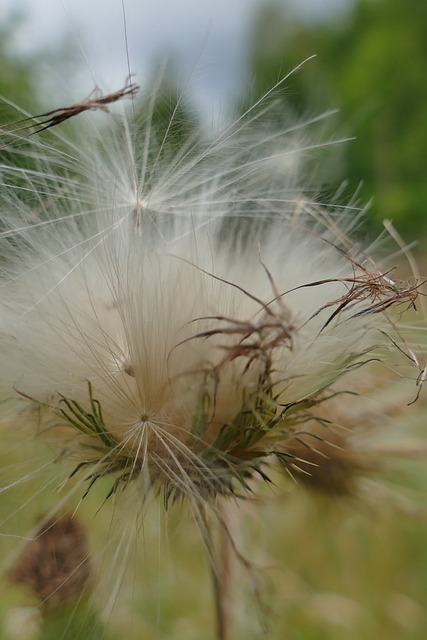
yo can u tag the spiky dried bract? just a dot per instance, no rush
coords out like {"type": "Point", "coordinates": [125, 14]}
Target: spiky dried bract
{"type": "Point", "coordinates": [55, 565]}
{"type": "Point", "coordinates": [324, 460]}
{"type": "Point", "coordinates": [176, 315]}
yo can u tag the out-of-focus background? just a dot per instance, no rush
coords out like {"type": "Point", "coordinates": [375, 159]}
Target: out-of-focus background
{"type": "Point", "coordinates": [371, 64]}
{"type": "Point", "coordinates": [331, 569]}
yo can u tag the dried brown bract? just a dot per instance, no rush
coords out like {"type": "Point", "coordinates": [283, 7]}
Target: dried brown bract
{"type": "Point", "coordinates": [371, 286]}
{"type": "Point", "coordinates": [257, 337]}
{"type": "Point", "coordinates": [322, 459]}
{"type": "Point", "coordinates": [95, 102]}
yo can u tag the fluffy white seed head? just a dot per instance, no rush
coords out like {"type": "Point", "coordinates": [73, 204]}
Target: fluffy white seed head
{"type": "Point", "coordinates": [177, 312]}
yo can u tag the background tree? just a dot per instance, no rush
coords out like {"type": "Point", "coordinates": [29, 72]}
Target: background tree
{"type": "Point", "coordinates": [19, 74]}
{"type": "Point", "coordinates": [371, 63]}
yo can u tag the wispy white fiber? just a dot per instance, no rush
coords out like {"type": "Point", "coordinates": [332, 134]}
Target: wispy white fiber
{"type": "Point", "coordinates": [177, 307]}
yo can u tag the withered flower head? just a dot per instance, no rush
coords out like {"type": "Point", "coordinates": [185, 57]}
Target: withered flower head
{"type": "Point", "coordinates": [55, 565]}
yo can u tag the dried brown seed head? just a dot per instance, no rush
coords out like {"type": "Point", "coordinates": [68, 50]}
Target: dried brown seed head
{"type": "Point", "coordinates": [55, 564]}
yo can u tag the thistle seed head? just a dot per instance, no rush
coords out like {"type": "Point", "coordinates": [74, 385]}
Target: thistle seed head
{"type": "Point", "coordinates": [174, 318]}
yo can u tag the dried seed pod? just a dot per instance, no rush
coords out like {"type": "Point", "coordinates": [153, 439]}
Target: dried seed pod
{"type": "Point", "coordinates": [55, 565]}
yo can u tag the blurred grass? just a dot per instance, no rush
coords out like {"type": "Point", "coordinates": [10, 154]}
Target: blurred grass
{"type": "Point", "coordinates": [341, 571]}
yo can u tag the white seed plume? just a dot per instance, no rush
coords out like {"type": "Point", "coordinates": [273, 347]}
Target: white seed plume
{"type": "Point", "coordinates": [178, 311]}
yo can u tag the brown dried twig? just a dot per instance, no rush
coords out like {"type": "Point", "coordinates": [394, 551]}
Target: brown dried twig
{"type": "Point", "coordinates": [374, 287]}
{"type": "Point", "coordinates": [54, 117]}
{"type": "Point", "coordinates": [258, 337]}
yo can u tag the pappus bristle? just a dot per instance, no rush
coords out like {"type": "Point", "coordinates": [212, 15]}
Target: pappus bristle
{"type": "Point", "coordinates": [176, 314]}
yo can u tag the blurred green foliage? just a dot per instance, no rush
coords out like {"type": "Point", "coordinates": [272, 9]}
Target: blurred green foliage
{"type": "Point", "coordinates": [168, 110]}
{"type": "Point", "coordinates": [370, 64]}
{"type": "Point", "coordinates": [79, 621]}
{"type": "Point", "coordinates": [18, 77]}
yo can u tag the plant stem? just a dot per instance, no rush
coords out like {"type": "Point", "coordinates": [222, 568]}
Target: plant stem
{"type": "Point", "coordinates": [220, 557]}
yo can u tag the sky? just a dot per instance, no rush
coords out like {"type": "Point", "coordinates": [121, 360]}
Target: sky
{"type": "Point", "coordinates": [207, 40]}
